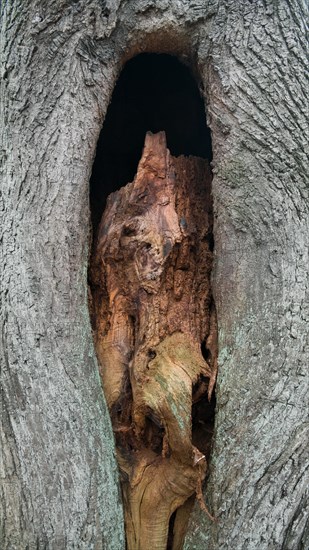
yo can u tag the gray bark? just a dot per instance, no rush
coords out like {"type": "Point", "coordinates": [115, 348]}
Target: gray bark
{"type": "Point", "coordinates": [59, 476]}
{"type": "Point", "coordinates": [258, 486]}
{"type": "Point", "coordinates": [60, 63]}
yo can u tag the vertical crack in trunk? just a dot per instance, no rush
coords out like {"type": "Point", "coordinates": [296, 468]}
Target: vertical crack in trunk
{"type": "Point", "coordinates": [156, 338]}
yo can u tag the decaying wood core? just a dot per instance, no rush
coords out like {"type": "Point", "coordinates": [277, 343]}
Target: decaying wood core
{"type": "Point", "coordinates": [152, 309]}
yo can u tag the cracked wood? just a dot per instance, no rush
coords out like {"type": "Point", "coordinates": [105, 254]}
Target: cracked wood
{"type": "Point", "coordinates": [152, 309]}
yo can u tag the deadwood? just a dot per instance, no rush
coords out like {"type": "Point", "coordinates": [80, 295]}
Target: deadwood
{"type": "Point", "coordinates": [152, 311]}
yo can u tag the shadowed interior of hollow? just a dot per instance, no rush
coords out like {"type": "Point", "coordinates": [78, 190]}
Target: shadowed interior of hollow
{"type": "Point", "coordinates": [154, 92]}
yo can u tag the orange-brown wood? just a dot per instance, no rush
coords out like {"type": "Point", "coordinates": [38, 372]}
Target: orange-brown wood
{"type": "Point", "coordinates": [152, 308]}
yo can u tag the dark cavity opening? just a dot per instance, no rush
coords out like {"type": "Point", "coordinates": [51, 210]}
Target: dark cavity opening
{"type": "Point", "coordinates": [170, 536]}
{"type": "Point", "coordinates": [203, 418]}
{"type": "Point", "coordinates": [154, 92]}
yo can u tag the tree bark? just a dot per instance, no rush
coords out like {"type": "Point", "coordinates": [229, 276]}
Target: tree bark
{"type": "Point", "coordinates": [58, 470]}
{"type": "Point", "coordinates": [258, 487]}
{"type": "Point", "coordinates": [60, 64]}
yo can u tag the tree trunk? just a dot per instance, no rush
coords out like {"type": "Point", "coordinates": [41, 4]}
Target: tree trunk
{"type": "Point", "coordinates": [59, 474]}
{"type": "Point", "coordinates": [60, 63]}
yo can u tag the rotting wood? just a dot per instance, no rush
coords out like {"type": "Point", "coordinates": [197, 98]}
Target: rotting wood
{"type": "Point", "coordinates": [152, 309]}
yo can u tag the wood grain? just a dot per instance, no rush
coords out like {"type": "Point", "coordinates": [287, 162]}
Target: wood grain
{"type": "Point", "coordinates": [152, 310]}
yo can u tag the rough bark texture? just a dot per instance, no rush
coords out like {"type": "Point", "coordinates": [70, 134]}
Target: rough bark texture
{"type": "Point", "coordinates": [59, 476]}
{"type": "Point", "coordinates": [152, 310]}
{"type": "Point", "coordinates": [259, 481]}
{"type": "Point", "coordinates": [59, 65]}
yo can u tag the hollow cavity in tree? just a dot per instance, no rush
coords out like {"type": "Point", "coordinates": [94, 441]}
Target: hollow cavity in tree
{"type": "Point", "coordinates": [152, 309]}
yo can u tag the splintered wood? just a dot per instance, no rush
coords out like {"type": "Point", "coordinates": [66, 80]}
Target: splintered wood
{"type": "Point", "coordinates": [151, 310]}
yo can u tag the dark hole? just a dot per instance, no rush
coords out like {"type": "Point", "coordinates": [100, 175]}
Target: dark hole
{"type": "Point", "coordinates": [203, 417]}
{"type": "Point", "coordinates": [153, 434]}
{"type": "Point", "coordinates": [151, 354]}
{"type": "Point", "coordinates": [128, 231]}
{"type": "Point", "coordinates": [171, 531]}
{"type": "Point", "coordinates": [154, 92]}
{"type": "Point", "coordinates": [209, 238]}
{"type": "Point", "coordinates": [205, 351]}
